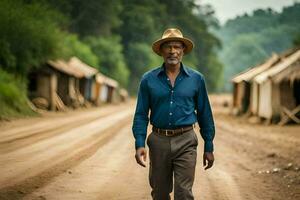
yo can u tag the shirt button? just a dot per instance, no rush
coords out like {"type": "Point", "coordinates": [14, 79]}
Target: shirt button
{"type": "Point", "coordinates": [171, 102]}
{"type": "Point", "coordinates": [169, 123]}
{"type": "Point", "coordinates": [172, 91]}
{"type": "Point", "coordinates": [170, 113]}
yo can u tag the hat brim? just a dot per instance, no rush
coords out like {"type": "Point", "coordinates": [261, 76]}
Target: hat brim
{"type": "Point", "coordinates": [189, 45]}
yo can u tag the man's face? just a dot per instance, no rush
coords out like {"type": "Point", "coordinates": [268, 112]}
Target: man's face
{"type": "Point", "coordinates": [172, 52]}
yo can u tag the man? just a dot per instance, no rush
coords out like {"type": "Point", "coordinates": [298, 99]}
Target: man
{"type": "Point", "coordinates": [177, 98]}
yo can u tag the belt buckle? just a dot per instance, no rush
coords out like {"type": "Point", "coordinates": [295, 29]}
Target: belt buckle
{"type": "Point", "coordinates": [171, 132]}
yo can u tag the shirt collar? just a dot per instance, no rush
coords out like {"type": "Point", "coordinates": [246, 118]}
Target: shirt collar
{"type": "Point", "coordinates": [183, 68]}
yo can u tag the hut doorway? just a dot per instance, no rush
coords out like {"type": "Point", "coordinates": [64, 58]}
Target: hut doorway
{"type": "Point", "coordinates": [296, 87]}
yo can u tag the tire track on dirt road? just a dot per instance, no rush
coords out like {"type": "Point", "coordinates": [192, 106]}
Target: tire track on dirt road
{"type": "Point", "coordinates": [223, 180]}
{"type": "Point", "coordinates": [35, 164]}
{"type": "Point", "coordinates": [111, 173]}
{"type": "Point", "coordinates": [19, 137]}
{"type": "Point", "coordinates": [223, 186]}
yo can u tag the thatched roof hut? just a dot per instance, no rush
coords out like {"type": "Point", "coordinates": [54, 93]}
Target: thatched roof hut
{"type": "Point", "coordinates": [88, 76]}
{"type": "Point", "coordinates": [279, 87]}
{"type": "Point", "coordinates": [243, 96]}
{"type": "Point", "coordinates": [105, 89]}
{"type": "Point", "coordinates": [57, 83]}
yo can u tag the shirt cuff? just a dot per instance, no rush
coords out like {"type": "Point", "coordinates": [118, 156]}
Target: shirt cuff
{"type": "Point", "coordinates": [208, 146]}
{"type": "Point", "coordinates": [139, 142]}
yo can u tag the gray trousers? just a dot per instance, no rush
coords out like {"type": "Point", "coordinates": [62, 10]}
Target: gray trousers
{"type": "Point", "coordinates": [172, 157]}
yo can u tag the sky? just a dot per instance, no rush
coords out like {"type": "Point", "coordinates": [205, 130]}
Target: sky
{"type": "Point", "coordinates": [228, 9]}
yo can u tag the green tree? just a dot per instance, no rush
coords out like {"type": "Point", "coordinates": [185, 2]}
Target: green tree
{"type": "Point", "coordinates": [290, 15]}
{"type": "Point", "coordinates": [138, 31]}
{"type": "Point", "coordinates": [13, 99]}
{"type": "Point", "coordinates": [140, 59]}
{"type": "Point", "coordinates": [249, 53]}
{"type": "Point", "coordinates": [90, 17]}
{"type": "Point", "coordinates": [72, 46]}
{"type": "Point", "coordinates": [109, 52]}
{"type": "Point", "coordinates": [25, 40]}
{"type": "Point", "coordinates": [296, 40]}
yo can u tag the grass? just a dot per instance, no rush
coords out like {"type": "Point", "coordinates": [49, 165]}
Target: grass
{"type": "Point", "coordinates": [13, 98]}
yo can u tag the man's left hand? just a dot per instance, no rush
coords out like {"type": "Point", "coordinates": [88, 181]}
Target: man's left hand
{"type": "Point", "coordinates": [208, 160]}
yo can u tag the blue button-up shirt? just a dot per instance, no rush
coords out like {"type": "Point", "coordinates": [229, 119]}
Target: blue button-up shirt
{"type": "Point", "coordinates": [171, 107]}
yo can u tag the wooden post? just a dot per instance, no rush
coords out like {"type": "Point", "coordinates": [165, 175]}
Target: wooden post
{"type": "Point", "coordinates": [53, 89]}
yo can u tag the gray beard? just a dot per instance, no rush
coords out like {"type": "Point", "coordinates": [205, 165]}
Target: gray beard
{"type": "Point", "coordinates": [172, 62]}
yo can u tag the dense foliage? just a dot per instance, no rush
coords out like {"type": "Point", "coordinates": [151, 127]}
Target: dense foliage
{"type": "Point", "coordinates": [13, 100]}
{"type": "Point", "coordinates": [113, 36]}
{"type": "Point", "coordinates": [250, 39]}
{"type": "Point", "coordinates": [29, 35]}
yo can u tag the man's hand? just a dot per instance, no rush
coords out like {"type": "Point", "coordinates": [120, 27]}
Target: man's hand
{"type": "Point", "coordinates": [208, 160]}
{"type": "Point", "coordinates": [141, 156]}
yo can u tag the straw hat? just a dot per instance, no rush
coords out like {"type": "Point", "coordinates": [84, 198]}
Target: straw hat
{"type": "Point", "coordinates": [172, 34]}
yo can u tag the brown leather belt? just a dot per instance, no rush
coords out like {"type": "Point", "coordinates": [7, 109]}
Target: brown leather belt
{"type": "Point", "coordinates": [172, 132]}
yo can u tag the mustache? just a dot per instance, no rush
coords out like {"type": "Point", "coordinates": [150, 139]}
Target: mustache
{"type": "Point", "coordinates": [172, 57]}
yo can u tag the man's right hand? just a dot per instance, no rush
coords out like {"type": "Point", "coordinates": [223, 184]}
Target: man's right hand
{"type": "Point", "coordinates": [141, 156]}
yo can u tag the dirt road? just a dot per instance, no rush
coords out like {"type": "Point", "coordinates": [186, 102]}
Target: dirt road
{"type": "Point", "coordinates": [89, 154]}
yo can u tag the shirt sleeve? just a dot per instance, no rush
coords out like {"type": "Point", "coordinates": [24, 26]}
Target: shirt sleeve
{"type": "Point", "coordinates": [141, 119]}
{"type": "Point", "coordinates": [205, 117]}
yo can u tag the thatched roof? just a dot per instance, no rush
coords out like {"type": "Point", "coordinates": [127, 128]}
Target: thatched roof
{"type": "Point", "coordinates": [63, 67]}
{"type": "Point", "coordinates": [87, 70]}
{"type": "Point", "coordinates": [102, 79]}
{"type": "Point", "coordinates": [123, 92]}
{"type": "Point", "coordinates": [288, 68]}
{"type": "Point", "coordinates": [78, 69]}
{"type": "Point", "coordinates": [252, 72]}
{"type": "Point", "coordinates": [111, 82]}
